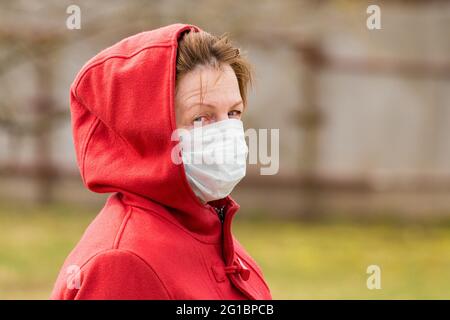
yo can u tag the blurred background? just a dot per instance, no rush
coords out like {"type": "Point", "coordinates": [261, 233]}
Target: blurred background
{"type": "Point", "coordinates": [364, 119]}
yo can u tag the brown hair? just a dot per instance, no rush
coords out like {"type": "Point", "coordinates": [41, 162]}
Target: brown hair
{"type": "Point", "coordinates": [202, 48]}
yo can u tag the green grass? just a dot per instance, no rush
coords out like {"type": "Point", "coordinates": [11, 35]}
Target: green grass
{"type": "Point", "coordinates": [329, 260]}
{"type": "Point", "coordinates": [300, 260]}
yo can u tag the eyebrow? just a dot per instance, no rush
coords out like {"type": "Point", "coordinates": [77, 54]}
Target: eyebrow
{"type": "Point", "coordinates": [212, 105]}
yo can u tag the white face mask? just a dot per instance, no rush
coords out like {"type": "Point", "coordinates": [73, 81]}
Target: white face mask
{"type": "Point", "coordinates": [214, 158]}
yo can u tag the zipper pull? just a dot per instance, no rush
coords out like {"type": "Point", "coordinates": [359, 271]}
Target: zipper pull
{"type": "Point", "coordinates": [221, 213]}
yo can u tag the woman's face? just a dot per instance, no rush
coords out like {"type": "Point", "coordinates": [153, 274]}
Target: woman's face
{"type": "Point", "coordinates": [207, 95]}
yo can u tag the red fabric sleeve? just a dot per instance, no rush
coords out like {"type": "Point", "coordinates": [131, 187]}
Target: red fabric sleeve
{"type": "Point", "coordinates": [119, 274]}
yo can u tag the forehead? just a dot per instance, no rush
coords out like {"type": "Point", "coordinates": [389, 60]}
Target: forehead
{"type": "Point", "coordinates": [208, 85]}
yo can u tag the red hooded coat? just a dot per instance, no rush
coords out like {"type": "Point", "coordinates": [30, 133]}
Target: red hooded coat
{"type": "Point", "coordinates": [153, 239]}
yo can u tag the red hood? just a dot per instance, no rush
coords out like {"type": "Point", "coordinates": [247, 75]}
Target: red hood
{"type": "Point", "coordinates": [122, 105]}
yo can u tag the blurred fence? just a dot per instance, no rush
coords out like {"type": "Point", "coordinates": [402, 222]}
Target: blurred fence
{"type": "Point", "coordinates": [364, 116]}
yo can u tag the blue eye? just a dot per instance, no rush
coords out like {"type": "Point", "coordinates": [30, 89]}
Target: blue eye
{"type": "Point", "coordinates": [200, 119]}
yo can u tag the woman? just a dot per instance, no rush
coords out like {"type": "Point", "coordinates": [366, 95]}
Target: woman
{"type": "Point", "coordinates": [165, 232]}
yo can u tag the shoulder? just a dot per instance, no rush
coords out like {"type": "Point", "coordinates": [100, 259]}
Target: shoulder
{"type": "Point", "coordinates": [121, 250]}
{"type": "Point", "coordinates": [103, 266]}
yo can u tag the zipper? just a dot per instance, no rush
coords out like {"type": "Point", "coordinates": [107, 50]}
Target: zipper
{"type": "Point", "coordinates": [228, 247]}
